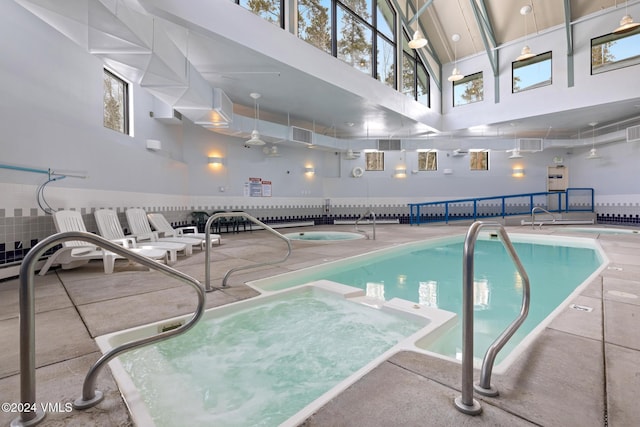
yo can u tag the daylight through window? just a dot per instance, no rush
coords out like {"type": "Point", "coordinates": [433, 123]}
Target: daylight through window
{"type": "Point", "coordinates": [614, 51]}
{"type": "Point", "coordinates": [116, 103]}
{"type": "Point", "coordinates": [468, 90]}
{"type": "Point", "coordinates": [531, 73]}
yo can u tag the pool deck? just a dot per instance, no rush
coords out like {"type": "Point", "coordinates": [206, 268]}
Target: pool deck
{"type": "Point", "coordinates": [582, 370]}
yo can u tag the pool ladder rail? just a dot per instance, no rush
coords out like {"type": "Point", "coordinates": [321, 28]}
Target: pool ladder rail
{"type": "Point", "coordinates": [90, 397]}
{"type": "Point", "coordinates": [207, 265]}
{"type": "Point", "coordinates": [368, 213]}
{"type": "Point", "coordinates": [466, 403]}
{"type": "Point", "coordinates": [533, 216]}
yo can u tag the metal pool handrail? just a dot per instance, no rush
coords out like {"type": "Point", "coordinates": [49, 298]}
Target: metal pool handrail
{"type": "Point", "coordinates": [363, 216]}
{"type": "Point", "coordinates": [466, 403]}
{"type": "Point", "coordinates": [533, 215]}
{"type": "Point", "coordinates": [90, 396]}
{"type": "Point", "coordinates": [207, 228]}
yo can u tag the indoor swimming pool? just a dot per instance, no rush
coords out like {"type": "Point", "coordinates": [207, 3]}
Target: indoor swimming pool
{"type": "Point", "coordinates": [430, 274]}
{"type": "Point", "coordinates": [276, 358]}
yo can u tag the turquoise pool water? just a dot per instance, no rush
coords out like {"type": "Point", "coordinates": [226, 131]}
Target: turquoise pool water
{"type": "Point", "coordinates": [431, 275]}
{"type": "Point", "coordinates": [260, 365]}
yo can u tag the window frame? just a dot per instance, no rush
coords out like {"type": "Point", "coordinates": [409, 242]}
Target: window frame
{"type": "Point", "coordinates": [126, 101]}
{"type": "Point", "coordinates": [468, 78]}
{"type": "Point", "coordinates": [542, 57]}
{"type": "Point", "coordinates": [424, 162]}
{"type": "Point", "coordinates": [374, 161]}
{"type": "Point", "coordinates": [242, 3]}
{"type": "Point", "coordinates": [622, 63]}
{"type": "Point", "coordinates": [417, 66]}
{"type": "Point", "coordinates": [473, 160]}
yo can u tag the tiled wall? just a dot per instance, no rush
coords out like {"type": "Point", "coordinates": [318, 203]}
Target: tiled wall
{"type": "Point", "coordinates": [22, 228]}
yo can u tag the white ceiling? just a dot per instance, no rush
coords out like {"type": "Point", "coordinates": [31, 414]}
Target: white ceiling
{"type": "Point", "coordinates": [286, 91]}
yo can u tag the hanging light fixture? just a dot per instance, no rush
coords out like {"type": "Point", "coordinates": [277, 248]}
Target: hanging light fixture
{"type": "Point", "coordinates": [417, 41]}
{"type": "Point", "coordinates": [626, 23]}
{"type": "Point", "coordinates": [526, 50]}
{"type": "Point", "coordinates": [455, 74]}
{"type": "Point", "coordinates": [255, 135]}
{"type": "Point", "coordinates": [593, 153]}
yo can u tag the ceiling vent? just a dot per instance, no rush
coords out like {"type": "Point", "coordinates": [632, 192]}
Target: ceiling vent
{"type": "Point", "coordinates": [221, 113]}
{"type": "Point", "coordinates": [633, 133]}
{"type": "Point", "coordinates": [303, 136]}
{"type": "Point", "coordinates": [389, 144]}
{"type": "Point", "coordinates": [529, 145]}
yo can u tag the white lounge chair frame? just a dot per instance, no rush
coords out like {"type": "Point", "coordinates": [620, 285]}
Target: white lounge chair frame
{"type": "Point", "coordinates": [110, 228]}
{"type": "Point", "coordinates": [163, 226]}
{"type": "Point", "coordinates": [75, 253]}
{"type": "Point", "coordinates": [141, 229]}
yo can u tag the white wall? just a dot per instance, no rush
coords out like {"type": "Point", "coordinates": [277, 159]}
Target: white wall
{"type": "Point", "coordinates": [51, 110]}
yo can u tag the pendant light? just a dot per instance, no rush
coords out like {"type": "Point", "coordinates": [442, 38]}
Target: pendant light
{"type": "Point", "coordinates": [526, 50]}
{"type": "Point", "coordinates": [593, 153]}
{"type": "Point", "coordinates": [455, 74]}
{"type": "Point", "coordinates": [255, 135]}
{"type": "Point", "coordinates": [626, 23]}
{"type": "Point", "coordinates": [417, 41]}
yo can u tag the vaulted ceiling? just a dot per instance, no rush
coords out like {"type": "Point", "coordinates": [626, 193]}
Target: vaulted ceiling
{"type": "Point", "coordinates": [483, 26]}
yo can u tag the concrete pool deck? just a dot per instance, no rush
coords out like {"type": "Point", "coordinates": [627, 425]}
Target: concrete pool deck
{"type": "Point", "coordinates": [583, 370]}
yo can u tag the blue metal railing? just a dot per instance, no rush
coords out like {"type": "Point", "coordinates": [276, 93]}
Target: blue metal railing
{"type": "Point", "coordinates": [571, 200]}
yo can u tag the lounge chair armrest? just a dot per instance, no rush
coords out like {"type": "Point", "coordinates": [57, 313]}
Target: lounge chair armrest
{"type": "Point", "coordinates": [147, 237]}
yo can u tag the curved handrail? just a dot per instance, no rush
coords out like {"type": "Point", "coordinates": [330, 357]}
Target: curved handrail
{"type": "Point", "coordinates": [90, 396]}
{"type": "Point", "coordinates": [533, 215]}
{"type": "Point", "coordinates": [363, 216]}
{"type": "Point", "coordinates": [207, 228]}
{"type": "Point", "coordinates": [466, 403]}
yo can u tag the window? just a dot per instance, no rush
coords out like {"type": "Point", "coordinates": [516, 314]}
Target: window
{"type": "Point", "coordinates": [415, 79]}
{"type": "Point", "coordinates": [354, 38]}
{"type": "Point", "coordinates": [362, 33]}
{"type": "Point", "coordinates": [269, 10]}
{"type": "Point", "coordinates": [314, 18]}
{"type": "Point", "coordinates": [467, 90]}
{"type": "Point", "coordinates": [115, 103]}
{"type": "Point", "coordinates": [427, 160]}
{"type": "Point", "coordinates": [531, 73]}
{"type": "Point", "coordinates": [615, 51]}
{"type": "Point", "coordinates": [374, 160]}
{"type": "Point", "coordinates": [479, 160]}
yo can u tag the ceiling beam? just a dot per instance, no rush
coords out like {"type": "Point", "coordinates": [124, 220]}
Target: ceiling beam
{"type": "Point", "coordinates": [569, 30]}
{"type": "Point", "coordinates": [486, 31]}
{"type": "Point", "coordinates": [419, 12]}
{"type": "Point", "coordinates": [489, 41]}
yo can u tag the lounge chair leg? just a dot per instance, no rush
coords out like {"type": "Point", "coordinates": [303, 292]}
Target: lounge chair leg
{"type": "Point", "coordinates": [109, 261]}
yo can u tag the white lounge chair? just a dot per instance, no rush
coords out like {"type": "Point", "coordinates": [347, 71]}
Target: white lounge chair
{"type": "Point", "coordinates": [141, 229]}
{"type": "Point", "coordinates": [75, 253]}
{"type": "Point", "coordinates": [109, 227]}
{"type": "Point", "coordinates": [163, 226]}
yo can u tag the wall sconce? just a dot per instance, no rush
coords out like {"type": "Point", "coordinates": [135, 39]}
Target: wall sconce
{"type": "Point", "coordinates": [400, 172]}
{"type": "Point", "coordinates": [215, 160]}
{"type": "Point", "coordinates": [309, 170]}
{"type": "Point", "coordinates": [517, 172]}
